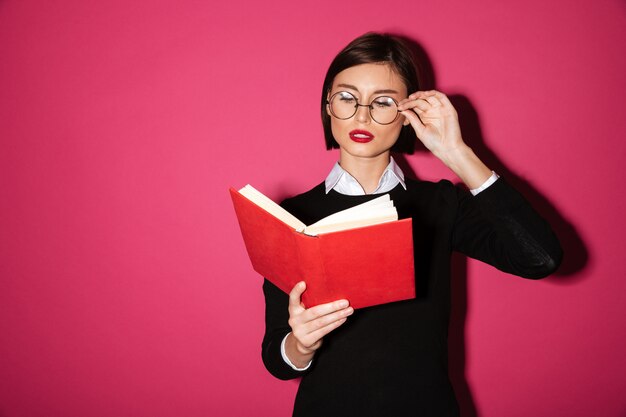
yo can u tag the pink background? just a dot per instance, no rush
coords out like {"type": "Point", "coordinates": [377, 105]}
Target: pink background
{"type": "Point", "coordinates": [125, 289]}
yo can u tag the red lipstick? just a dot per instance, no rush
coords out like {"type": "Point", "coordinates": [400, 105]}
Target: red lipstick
{"type": "Point", "coordinates": [361, 136]}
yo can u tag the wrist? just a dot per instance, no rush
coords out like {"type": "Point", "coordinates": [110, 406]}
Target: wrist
{"type": "Point", "coordinates": [456, 157]}
{"type": "Point", "coordinates": [298, 354]}
{"type": "Point", "coordinates": [302, 350]}
{"type": "Point", "coordinates": [467, 166]}
{"type": "Point", "coordinates": [301, 366]}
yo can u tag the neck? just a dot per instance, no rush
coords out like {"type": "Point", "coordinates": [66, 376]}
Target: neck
{"type": "Point", "coordinates": [367, 171]}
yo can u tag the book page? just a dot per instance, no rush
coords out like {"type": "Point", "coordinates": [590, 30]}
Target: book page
{"type": "Point", "coordinates": [383, 216]}
{"type": "Point", "coordinates": [271, 207]}
{"type": "Point", "coordinates": [378, 210]}
{"type": "Point", "coordinates": [364, 210]}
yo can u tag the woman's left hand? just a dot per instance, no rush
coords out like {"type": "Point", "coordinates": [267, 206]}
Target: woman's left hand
{"type": "Point", "coordinates": [437, 126]}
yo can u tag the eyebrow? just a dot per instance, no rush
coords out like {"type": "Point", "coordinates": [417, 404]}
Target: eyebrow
{"type": "Point", "coordinates": [387, 91]}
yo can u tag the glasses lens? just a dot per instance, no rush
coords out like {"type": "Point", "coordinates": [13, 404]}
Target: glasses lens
{"type": "Point", "coordinates": [384, 110]}
{"type": "Point", "coordinates": [343, 105]}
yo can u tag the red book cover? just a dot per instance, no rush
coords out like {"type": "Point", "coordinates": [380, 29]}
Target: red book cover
{"type": "Point", "coordinates": [367, 265]}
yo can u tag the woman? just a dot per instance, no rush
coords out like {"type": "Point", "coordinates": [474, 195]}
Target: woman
{"type": "Point", "coordinates": [391, 360]}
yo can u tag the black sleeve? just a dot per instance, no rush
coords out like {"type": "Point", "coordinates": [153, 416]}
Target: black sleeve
{"type": "Point", "coordinates": [276, 328]}
{"type": "Point", "coordinates": [499, 227]}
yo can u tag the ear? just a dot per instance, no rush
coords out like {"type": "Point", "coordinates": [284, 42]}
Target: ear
{"type": "Point", "coordinates": [328, 105]}
{"type": "Point", "coordinates": [406, 121]}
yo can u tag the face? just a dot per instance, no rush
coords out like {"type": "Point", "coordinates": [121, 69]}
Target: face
{"type": "Point", "coordinates": [360, 136]}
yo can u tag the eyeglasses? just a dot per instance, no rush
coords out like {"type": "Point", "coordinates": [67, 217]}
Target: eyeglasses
{"type": "Point", "coordinates": [344, 105]}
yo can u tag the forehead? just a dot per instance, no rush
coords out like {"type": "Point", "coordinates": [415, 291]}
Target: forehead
{"type": "Point", "coordinates": [370, 77]}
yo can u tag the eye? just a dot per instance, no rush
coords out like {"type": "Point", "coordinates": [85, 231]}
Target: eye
{"type": "Point", "coordinates": [383, 102]}
{"type": "Point", "coordinates": [346, 97]}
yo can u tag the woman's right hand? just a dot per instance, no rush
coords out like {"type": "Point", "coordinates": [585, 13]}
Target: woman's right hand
{"type": "Point", "coordinates": [310, 325]}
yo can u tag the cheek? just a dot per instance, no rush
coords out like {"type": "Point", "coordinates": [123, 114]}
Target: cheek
{"type": "Point", "coordinates": [392, 132]}
{"type": "Point", "coordinates": [338, 128]}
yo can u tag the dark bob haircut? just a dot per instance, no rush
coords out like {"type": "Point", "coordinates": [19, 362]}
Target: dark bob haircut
{"type": "Point", "coordinates": [373, 48]}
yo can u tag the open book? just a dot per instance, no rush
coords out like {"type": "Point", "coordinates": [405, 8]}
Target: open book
{"type": "Point", "coordinates": [375, 211]}
{"type": "Point", "coordinates": [363, 254]}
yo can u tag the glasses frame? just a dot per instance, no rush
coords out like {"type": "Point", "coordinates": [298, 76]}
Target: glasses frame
{"type": "Point", "coordinates": [357, 105]}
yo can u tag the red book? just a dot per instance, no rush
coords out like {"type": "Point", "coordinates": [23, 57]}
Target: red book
{"type": "Point", "coordinates": [366, 265]}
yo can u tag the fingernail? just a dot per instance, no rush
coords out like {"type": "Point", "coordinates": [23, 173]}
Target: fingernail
{"type": "Point", "coordinates": [343, 303]}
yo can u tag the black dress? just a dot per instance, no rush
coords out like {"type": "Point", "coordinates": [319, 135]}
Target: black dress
{"type": "Point", "coordinates": [391, 360]}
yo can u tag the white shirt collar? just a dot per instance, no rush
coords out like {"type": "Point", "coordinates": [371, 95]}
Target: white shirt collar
{"type": "Point", "coordinates": [344, 183]}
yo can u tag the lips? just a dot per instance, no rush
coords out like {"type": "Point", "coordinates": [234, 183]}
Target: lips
{"type": "Point", "coordinates": [361, 136]}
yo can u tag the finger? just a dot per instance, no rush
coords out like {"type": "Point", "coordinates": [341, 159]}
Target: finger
{"type": "Point", "coordinates": [417, 94]}
{"type": "Point", "coordinates": [412, 116]}
{"type": "Point", "coordinates": [296, 294]}
{"type": "Point", "coordinates": [300, 319]}
{"type": "Point", "coordinates": [308, 333]}
{"type": "Point", "coordinates": [324, 309]}
{"type": "Point", "coordinates": [428, 96]}
{"type": "Point", "coordinates": [320, 333]}
{"type": "Point", "coordinates": [445, 101]}
{"type": "Point", "coordinates": [422, 94]}
{"type": "Point", "coordinates": [419, 104]}
{"type": "Point", "coordinates": [415, 121]}
{"type": "Point", "coordinates": [323, 321]}
{"type": "Point", "coordinates": [309, 339]}
{"type": "Point", "coordinates": [433, 100]}
{"type": "Point", "coordinates": [428, 92]}
{"type": "Point", "coordinates": [438, 95]}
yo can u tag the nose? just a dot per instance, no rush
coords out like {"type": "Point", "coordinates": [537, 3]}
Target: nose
{"type": "Point", "coordinates": [363, 113]}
